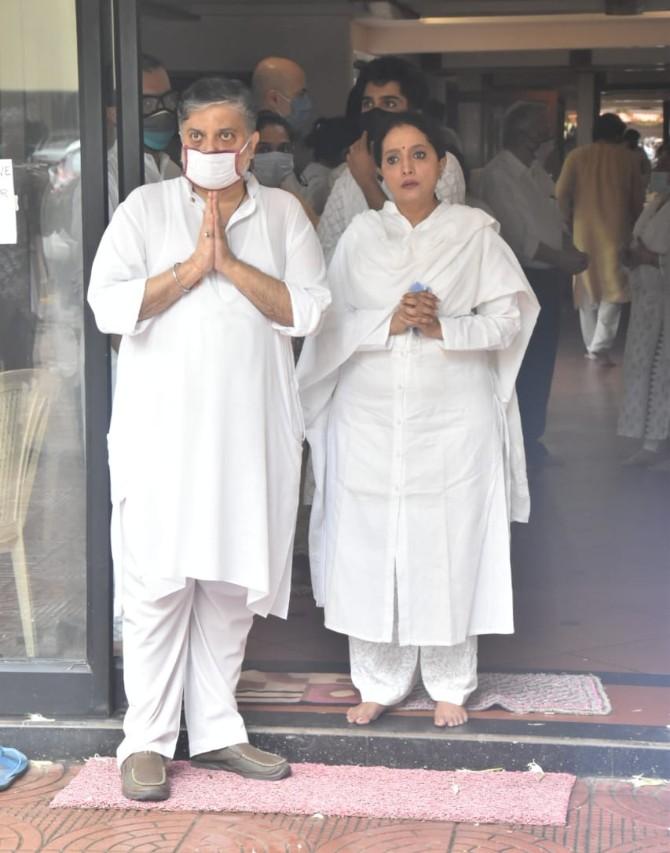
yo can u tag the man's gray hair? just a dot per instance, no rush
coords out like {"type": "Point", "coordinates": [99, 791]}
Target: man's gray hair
{"type": "Point", "coordinates": [519, 116]}
{"type": "Point", "coordinates": [217, 90]}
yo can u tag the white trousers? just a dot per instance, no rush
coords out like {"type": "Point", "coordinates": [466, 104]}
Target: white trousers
{"type": "Point", "coordinates": [599, 324]}
{"type": "Point", "coordinates": [385, 672]}
{"type": "Point", "coordinates": [181, 642]}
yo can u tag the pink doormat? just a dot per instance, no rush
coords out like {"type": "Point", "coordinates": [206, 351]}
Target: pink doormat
{"type": "Point", "coordinates": [520, 693]}
{"type": "Point", "coordinates": [345, 791]}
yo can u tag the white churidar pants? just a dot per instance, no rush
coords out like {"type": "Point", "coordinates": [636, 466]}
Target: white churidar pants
{"type": "Point", "coordinates": [181, 642]}
{"type": "Point", "coordinates": [385, 672]}
{"type": "Point", "coordinates": [599, 324]}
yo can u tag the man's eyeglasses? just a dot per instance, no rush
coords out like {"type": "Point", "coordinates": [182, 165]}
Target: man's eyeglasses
{"type": "Point", "coordinates": [155, 103]}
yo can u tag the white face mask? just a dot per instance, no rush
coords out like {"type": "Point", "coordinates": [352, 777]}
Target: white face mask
{"type": "Point", "coordinates": [273, 167]}
{"type": "Point", "coordinates": [212, 170]}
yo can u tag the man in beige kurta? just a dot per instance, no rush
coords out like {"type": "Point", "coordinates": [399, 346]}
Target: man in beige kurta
{"type": "Point", "coordinates": [600, 193]}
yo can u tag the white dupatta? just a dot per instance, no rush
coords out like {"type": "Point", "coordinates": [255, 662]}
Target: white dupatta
{"type": "Point", "coordinates": [456, 252]}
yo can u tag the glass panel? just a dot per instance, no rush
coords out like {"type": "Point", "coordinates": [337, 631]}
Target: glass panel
{"type": "Point", "coordinates": [42, 452]}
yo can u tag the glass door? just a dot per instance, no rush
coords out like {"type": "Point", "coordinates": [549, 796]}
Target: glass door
{"type": "Point", "coordinates": [54, 564]}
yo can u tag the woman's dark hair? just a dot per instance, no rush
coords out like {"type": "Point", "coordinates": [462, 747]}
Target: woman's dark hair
{"type": "Point", "coordinates": [390, 69]}
{"type": "Point", "coordinates": [608, 128]}
{"type": "Point", "coordinates": [330, 138]}
{"type": "Point", "coordinates": [267, 118]}
{"type": "Point", "coordinates": [421, 122]}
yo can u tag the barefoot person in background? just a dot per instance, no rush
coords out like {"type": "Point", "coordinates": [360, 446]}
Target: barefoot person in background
{"type": "Point", "coordinates": [408, 393]}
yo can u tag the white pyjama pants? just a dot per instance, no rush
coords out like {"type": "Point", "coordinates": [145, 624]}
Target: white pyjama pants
{"type": "Point", "coordinates": [599, 324]}
{"type": "Point", "coordinates": [181, 642]}
{"type": "Point", "coordinates": [385, 672]}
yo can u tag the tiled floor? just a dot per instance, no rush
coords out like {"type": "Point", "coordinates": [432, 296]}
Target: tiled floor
{"type": "Point", "coordinates": [605, 816]}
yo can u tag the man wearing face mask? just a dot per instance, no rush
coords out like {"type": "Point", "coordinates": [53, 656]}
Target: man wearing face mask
{"type": "Point", "coordinates": [274, 164]}
{"type": "Point", "coordinates": [207, 277]}
{"type": "Point", "coordinates": [159, 126]}
{"type": "Point", "coordinates": [522, 197]}
{"type": "Point", "coordinates": [387, 84]}
{"type": "Point", "coordinates": [280, 86]}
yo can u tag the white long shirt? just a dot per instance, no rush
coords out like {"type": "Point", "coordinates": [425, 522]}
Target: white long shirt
{"type": "Point", "coordinates": [523, 200]}
{"type": "Point", "coordinates": [206, 433]}
{"type": "Point", "coordinates": [163, 169]}
{"type": "Point", "coordinates": [415, 441]}
{"type": "Point", "coordinates": [347, 200]}
{"type": "Point", "coordinates": [319, 181]}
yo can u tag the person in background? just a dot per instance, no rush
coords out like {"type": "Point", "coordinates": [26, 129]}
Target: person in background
{"type": "Point", "coordinates": [329, 141]}
{"type": "Point", "coordinates": [644, 412]}
{"type": "Point", "coordinates": [280, 86]}
{"type": "Point", "coordinates": [659, 181]}
{"type": "Point", "coordinates": [521, 195]}
{"type": "Point", "coordinates": [601, 195]}
{"type": "Point", "coordinates": [631, 139]}
{"type": "Point", "coordinates": [408, 393]}
{"type": "Point", "coordinates": [207, 277]}
{"type": "Point", "coordinates": [159, 127]}
{"type": "Point", "coordinates": [438, 112]}
{"type": "Point", "coordinates": [388, 84]}
{"type": "Point", "coordinates": [662, 157]}
{"type": "Point", "coordinates": [274, 164]}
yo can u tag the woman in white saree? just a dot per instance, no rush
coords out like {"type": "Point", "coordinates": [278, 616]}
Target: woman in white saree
{"type": "Point", "coordinates": [416, 442]}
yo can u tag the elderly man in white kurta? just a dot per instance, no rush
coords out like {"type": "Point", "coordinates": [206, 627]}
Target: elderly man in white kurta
{"type": "Point", "coordinates": [207, 277]}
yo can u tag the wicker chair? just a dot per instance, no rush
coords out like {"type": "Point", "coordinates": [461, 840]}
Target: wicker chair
{"type": "Point", "coordinates": [25, 397]}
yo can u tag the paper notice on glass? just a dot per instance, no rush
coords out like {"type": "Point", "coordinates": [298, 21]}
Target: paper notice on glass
{"type": "Point", "coordinates": [8, 203]}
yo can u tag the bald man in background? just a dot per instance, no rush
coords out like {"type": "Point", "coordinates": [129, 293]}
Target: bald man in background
{"type": "Point", "coordinates": [280, 85]}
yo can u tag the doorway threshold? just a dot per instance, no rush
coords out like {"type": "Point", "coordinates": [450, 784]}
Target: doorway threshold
{"type": "Point", "coordinates": [409, 739]}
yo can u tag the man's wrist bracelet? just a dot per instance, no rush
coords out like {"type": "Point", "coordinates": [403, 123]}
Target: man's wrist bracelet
{"type": "Point", "coordinates": [176, 278]}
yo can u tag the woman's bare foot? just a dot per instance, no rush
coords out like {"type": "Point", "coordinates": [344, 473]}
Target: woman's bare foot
{"type": "Point", "coordinates": [448, 715]}
{"type": "Point", "coordinates": [366, 712]}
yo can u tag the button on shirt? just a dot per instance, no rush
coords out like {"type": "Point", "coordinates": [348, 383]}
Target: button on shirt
{"type": "Point", "coordinates": [523, 200]}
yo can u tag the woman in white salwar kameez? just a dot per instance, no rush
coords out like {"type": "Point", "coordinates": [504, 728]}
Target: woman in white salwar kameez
{"type": "Point", "coordinates": [415, 435]}
{"type": "Point", "coordinates": [207, 277]}
{"type": "Point", "coordinates": [645, 407]}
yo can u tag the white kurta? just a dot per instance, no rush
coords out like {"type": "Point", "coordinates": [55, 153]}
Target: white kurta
{"type": "Point", "coordinates": [319, 180]}
{"type": "Point", "coordinates": [206, 433]}
{"type": "Point", "coordinates": [416, 443]}
{"type": "Point", "coordinates": [347, 200]}
{"type": "Point", "coordinates": [155, 170]}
